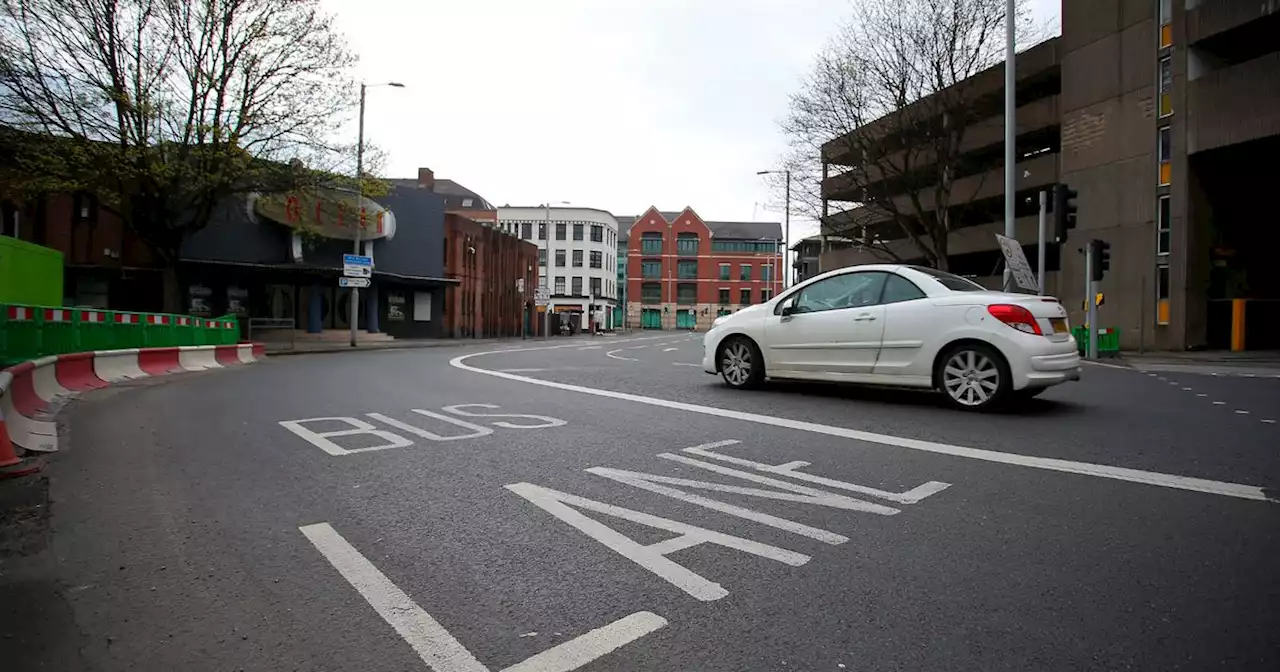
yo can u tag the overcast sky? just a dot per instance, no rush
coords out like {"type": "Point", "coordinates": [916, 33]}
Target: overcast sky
{"type": "Point", "coordinates": [612, 104]}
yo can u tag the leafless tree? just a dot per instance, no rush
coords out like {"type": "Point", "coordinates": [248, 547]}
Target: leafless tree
{"type": "Point", "coordinates": [890, 96]}
{"type": "Point", "coordinates": [164, 108]}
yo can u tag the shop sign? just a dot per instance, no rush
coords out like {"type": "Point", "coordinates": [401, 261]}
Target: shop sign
{"type": "Point", "coordinates": [237, 301]}
{"type": "Point", "coordinates": [198, 301]}
{"type": "Point", "coordinates": [329, 213]}
{"type": "Point", "coordinates": [395, 306]}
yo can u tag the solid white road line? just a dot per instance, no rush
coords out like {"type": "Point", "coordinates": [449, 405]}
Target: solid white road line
{"type": "Point", "coordinates": [670, 349]}
{"type": "Point", "coordinates": [612, 354]}
{"type": "Point", "coordinates": [1105, 365]}
{"type": "Point", "coordinates": [684, 364]}
{"type": "Point", "coordinates": [439, 649]}
{"type": "Point", "coordinates": [585, 648]}
{"type": "Point", "coordinates": [1052, 464]}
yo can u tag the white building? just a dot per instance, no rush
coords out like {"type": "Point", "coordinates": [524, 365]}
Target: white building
{"type": "Point", "coordinates": [578, 258]}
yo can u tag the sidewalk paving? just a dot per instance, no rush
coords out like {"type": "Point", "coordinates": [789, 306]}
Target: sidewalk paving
{"type": "Point", "coordinates": [313, 347]}
{"type": "Point", "coordinates": [1249, 364]}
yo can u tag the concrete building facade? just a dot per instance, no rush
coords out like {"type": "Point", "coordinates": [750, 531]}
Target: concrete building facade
{"type": "Point", "coordinates": [1164, 118]}
{"type": "Point", "coordinates": [577, 259]}
{"type": "Point", "coordinates": [683, 271]}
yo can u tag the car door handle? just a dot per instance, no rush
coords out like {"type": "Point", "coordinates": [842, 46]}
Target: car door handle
{"type": "Point", "coordinates": [865, 317]}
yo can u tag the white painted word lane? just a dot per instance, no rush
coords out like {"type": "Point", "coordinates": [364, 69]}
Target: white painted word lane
{"type": "Point", "coordinates": [654, 557]}
{"type": "Point", "coordinates": [355, 427]}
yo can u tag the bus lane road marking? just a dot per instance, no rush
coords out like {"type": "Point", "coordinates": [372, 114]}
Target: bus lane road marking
{"type": "Point", "coordinates": [441, 651]}
{"type": "Point", "coordinates": [1173, 481]}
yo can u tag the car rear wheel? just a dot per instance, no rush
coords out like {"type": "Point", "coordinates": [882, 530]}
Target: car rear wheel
{"type": "Point", "coordinates": [741, 364]}
{"type": "Point", "coordinates": [974, 377]}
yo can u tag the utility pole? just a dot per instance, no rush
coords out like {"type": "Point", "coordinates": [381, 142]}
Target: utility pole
{"type": "Point", "coordinates": [353, 312]}
{"type": "Point", "coordinates": [551, 280]}
{"type": "Point", "coordinates": [1010, 129]}
{"type": "Point", "coordinates": [1044, 200]}
{"type": "Point", "coordinates": [786, 251]}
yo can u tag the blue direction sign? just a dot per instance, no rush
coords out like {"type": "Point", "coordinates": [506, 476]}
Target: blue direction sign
{"type": "Point", "coordinates": [357, 266]}
{"type": "Point", "coordinates": [356, 260]}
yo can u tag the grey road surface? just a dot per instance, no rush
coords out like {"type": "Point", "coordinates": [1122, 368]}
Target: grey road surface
{"type": "Point", "coordinates": [199, 525]}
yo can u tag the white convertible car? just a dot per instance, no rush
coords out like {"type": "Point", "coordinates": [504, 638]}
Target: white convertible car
{"type": "Point", "coordinates": [905, 326]}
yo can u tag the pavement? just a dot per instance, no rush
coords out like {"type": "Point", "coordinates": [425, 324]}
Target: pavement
{"type": "Point", "coordinates": [605, 505]}
{"type": "Point", "coordinates": [313, 347]}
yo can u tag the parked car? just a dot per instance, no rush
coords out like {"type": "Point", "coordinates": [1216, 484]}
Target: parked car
{"type": "Point", "coordinates": [899, 325]}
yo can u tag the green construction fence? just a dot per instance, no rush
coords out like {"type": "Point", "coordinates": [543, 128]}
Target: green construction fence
{"type": "Point", "coordinates": [29, 332]}
{"type": "Point", "coordinates": [1108, 340]}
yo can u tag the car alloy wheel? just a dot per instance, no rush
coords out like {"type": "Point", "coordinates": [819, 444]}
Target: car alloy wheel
{"type": "Point", "coordinates": [971, 378]}
{"type": "Point", "coordinates": [736, 362]}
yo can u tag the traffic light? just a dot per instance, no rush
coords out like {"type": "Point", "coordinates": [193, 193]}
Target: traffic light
{"type": "Point", "coordinates": [1064, 211]}
{"type": "Point", "coordinates": [1101, 250]}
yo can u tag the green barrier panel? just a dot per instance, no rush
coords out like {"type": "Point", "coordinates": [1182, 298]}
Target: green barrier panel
{"type": "Point", "coordinates": [58, 333]}
{"type": "Point", "coordinates": [126, 330]}
{"type": "Point", "coordinates": [19, 334]}
{"type": "Point", "coordinates": [95, 329]}
{"type": "Point", "coordinates": [1108, 339]}
{"type": "Point", "coordinates": [184, 331]}
{"type": "Point", "coordinates": [157, 331]}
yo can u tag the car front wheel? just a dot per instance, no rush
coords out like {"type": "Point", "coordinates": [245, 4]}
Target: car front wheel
{"type": "Point", "coordinates": [741, 364]}
{"type": "Point", "coordinates": [974, 377]}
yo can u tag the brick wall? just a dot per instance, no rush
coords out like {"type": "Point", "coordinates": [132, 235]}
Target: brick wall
{"type": "Point", "coordinates": [486, 302]}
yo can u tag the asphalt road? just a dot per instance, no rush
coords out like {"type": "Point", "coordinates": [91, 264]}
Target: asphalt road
{"type": "Point", "coordinates": [192, 527]}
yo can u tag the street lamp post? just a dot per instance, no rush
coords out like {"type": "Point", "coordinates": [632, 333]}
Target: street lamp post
{"type": "Point", "coordinates": [551, 279]}
{"type": "Point", "coordinates": [786, 244]}
{"type": "Point", "coordinates": [354, 312]}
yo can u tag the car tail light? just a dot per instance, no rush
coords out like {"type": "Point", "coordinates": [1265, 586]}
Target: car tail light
{"type": "Point", "coordinates": [1015, 316]}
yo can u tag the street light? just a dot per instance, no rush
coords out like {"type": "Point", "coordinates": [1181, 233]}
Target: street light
{"type": "Point", "coordinates": [354, 317]}
{"type": "Point", "coordinates": [546, 226]}
{"type": "Point", "coordinates": [787, 218]}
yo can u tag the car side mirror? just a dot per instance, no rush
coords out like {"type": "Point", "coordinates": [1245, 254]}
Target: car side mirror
{"type": "Point", "coordinates": [788, 310]}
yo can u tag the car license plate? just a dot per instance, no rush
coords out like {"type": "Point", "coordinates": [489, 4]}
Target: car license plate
{"type": "Point", "coordinates": [1059, 325]}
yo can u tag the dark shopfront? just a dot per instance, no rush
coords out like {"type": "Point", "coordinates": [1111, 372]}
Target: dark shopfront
{"type": "Point", "coordinates": [249, 264]}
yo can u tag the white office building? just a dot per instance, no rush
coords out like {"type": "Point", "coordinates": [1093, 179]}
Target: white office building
{"type": "Point", "coordinates": [577, 258]}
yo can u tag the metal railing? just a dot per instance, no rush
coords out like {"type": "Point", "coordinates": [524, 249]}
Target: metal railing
{"type": "Point", "coordinates": [268, 328]}
{"type": "Point", "coordinates": [30, 332]}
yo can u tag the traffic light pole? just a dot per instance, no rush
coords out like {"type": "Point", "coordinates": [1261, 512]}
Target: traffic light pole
{"type": "Point", "coordinates": [1044, 201]}
{"type": "Point", "coordinates": [1089, 294]}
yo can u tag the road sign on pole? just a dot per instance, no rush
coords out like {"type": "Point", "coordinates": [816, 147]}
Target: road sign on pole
{"type": "Point", "coordinates": [353, 282]}
{"type": "Point", "coordinates": [541, 296]}
{"type": "Point", "coordinates": [1016, 261]}
{"type": "Point", "coordinates": [520, 285]}
{"type": "Point", "coordinates": [357, 266]}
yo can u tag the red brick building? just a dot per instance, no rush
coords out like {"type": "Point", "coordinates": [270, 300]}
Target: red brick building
{"type": "Point", "coordinates": [683, 271]}
{"type": "Point", "coordinates": [490, 299]}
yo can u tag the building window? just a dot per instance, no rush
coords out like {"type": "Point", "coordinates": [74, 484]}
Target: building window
{"type": "Point", "coordinates": [561, 228]}
{"type": "Point", "coordinates": [597, 233]}
{"type": "Point", "coordinates": [744, 272]}
{"type": "Point", "coordinates": [577, 258]}
{"type": "Point", "coordinates": [1166, 23]}
{"type": "Point", "coordinates": [724, 296]}
{"type": "Point", "coordinates": [542, 257]}
{"type": "Point", "coordinates": [765, 295]}
{"type": "Point", "coordinates": [526, 230]}
{"type": "Point", "coordinates": [766, 273]}
{"type": "Point", "coordinates": [687, 244]}
{"type": "Point", "coordinates": [466, 202]}
{"type": "Point", "coordinates": [651, 243]}
{"type": "Point", "coordinates": [597, 259]}
{"type": "Point", "coordinates": [1166, 155]}
{"type": "Point", "coordinates": [687, 293]}
{"type": "Point", "coordinates": [724, 271]}
{"type": "Point", "coordinates": [595, 287]}
{"type": "Point", "coordinates": [1163, 220]}
{"type": "Point", "coordinates": [560, 258]}
{"type": "Point", "coordinates": [745, 298]}
{"type": "Point", "coordinates": [577, 231]}
{"type": "Point", "coordinates": [651, 270]}
{"type": "Point", "coordinates": [745, 246]}
{"type": "Point", "coordinates": [1166, 86]}
{"type": "Point", "coordinates": [651, 292]}
{"type": "Point", "coordinates": [1162, 294]}
{"type": "Point", "coordinates": [559, 288]}
{"type": "Point", "coordinates": [542, 231]}
{"type": "Point", "coordinates": [687, 270]}
{"type": "Point", "coordinates": [577, 285]}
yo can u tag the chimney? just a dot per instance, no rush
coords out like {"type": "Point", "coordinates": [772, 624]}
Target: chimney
{"type": "Point", "coordinates": [426, 179]}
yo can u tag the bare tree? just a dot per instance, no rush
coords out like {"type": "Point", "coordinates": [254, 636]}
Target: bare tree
{"type": "Point", "coordinates": [890, 97]}
{"type": "Point", "coordinates": [164, 108]}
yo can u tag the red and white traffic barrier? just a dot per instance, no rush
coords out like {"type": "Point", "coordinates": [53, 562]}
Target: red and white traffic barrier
{"type": "Point", "coordinates": [29, 388]}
